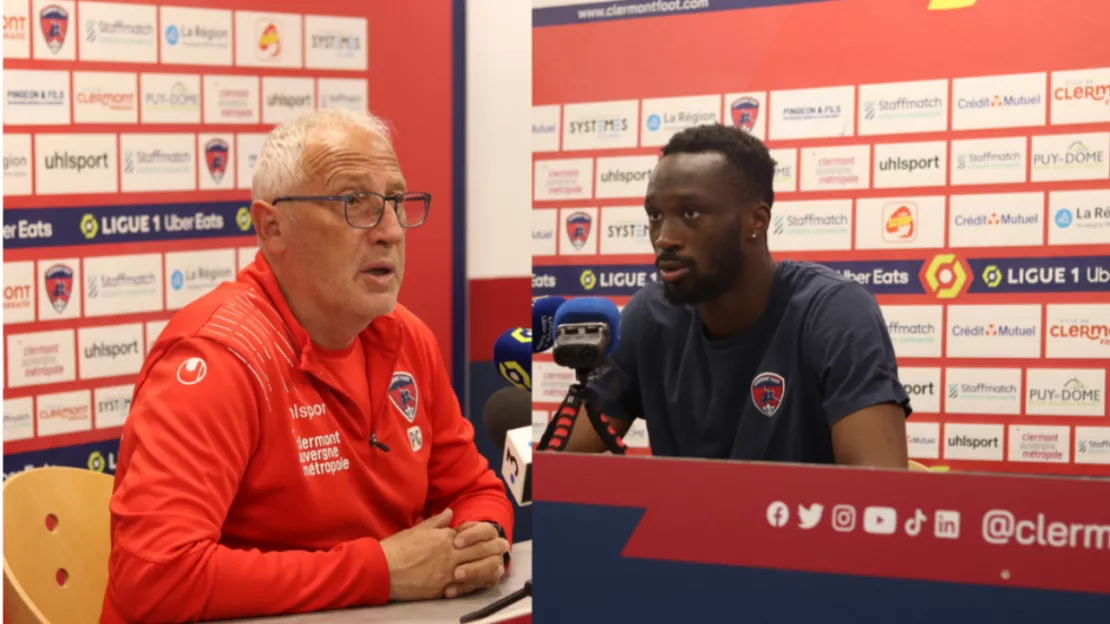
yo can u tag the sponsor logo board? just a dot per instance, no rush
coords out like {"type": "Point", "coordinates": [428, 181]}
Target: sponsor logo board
{"type": "Point", "coordinates": [348, 93]}
{"type": "Point", "coordinates": [624, 176]}
{"type": "Point", "coordinates": [170, 98]}
{"type": "Point", "coordinates": [543, 231]}
{"type": "Point", "coordinates": [158, 162]}
{"type": "Point", "coordinates": [903, 107]}
{"type": "Point", "coordinates": [17, 164]}
{"type": "Point", "coordinates": [286, 98]}
{"type": "Point", "coordinates": [1081, 96]}
{"type": "Point", "coordinates": [563, 179]}
{"type": "Point", "coordinates": [900, 223]}
{"type": "Point", "coordinates": [996, 220]}
{"type": "Point", "coordinates": [915, 330]}
{"type": "Point", "coordinates": [195, 36]}
{"type": "Point", "coordinates": [268, 40]}
{"type": "Point", "coordinates": [994, 331]}
{"type": "Point", "coordinates": [982, 391]}
{"type": "Point", "coordinates": [125, 33]}
{"type": "Point", "coordinates": [600, 125]}
{"type": "Point", "coordinates": [75, 164]}
{"type": "Point", "coordinates": [988, 161]}
{"type": "Point", "coordinates": [1065, 392]}
{"type": "Point", "coordinates": [64, 412]}
{"type": "Point", "coordinates": [1077, 331]}
{"type": "Point", "coordinates": [665, 117]}
{"type": "Point", "coordinates": [191, 274]}
{"type": "Point", "coordinates": [812, 113]}
{"type": "Point", "coordinates": [110, 351]}
{"type": "Point", "coordinates": [123, 284]}
{"type": "Point", "coordinates": [335, 43]}
{"type": "Point", "coordinates": [545, 128]}
{"type": "Point", "coordinates": [41, 358]}
{"type": "Point", "coordinates": [1079, 217]}
{"type": "Point", "coordinates": [811, 225]}
{"type": "Point", "coordinates": [19, 292]}
{"type": "Point", "coordinates": [36, 97]}
{"type": "Point", "coordinates": [625, 230]}
{"type": "Point", "coordinates": [836, 168]}
{"type": "Point", "coordinates": [231, 99]}
{"type": "Point", "coordinates": [105, 97]}
{"type": "Point", "coordinates": [1007, 101]}
{"type": "Point", "coordinates": [1031, 443]}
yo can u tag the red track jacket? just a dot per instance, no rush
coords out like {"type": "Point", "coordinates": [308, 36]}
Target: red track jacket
{"type": "Point", "coordinates": [246, 482]}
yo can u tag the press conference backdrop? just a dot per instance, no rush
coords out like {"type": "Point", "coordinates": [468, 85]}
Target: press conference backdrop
{"type": "Point", "coordinates": [951, 156]}
{"type": "Point", "coordinates": [130, 134]}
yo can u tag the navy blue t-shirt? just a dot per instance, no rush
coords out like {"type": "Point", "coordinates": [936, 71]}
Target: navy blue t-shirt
{"type": "Point", "coordinates": [819, 352]}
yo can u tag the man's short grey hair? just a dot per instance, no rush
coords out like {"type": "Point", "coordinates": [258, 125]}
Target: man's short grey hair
{"type": "Point", "coordinates": [278, 170]}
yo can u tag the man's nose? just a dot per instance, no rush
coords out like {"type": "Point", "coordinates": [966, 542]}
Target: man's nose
{"type": "Point", "coordinates": [388, 231]}
{"type": "Point", "coordinates": [668, 238]}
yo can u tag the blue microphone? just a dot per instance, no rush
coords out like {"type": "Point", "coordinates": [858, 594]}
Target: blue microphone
{"type": "Point", "coordinates": [512, 354]}
{"type": "Point", "coordinates": [543, 322]}
{"type": "Point", "coordinates": [586, 330]}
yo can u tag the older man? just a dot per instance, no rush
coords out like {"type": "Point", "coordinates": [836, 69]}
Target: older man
{"type": "Point", "coordinates": [294, 443]}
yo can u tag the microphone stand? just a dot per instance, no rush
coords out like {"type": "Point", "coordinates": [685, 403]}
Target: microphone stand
{"type": "Point", "coordinates": [580, 395]}
{"type": "Point", "coordinates": [490, 609]}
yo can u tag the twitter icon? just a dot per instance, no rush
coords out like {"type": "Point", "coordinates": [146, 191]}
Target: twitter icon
{"type": "Point", "coordinates": [808, 517]}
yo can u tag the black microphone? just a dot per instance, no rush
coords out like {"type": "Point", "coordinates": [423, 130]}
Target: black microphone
{"type": "Point", "coordinates": [507, 418]}
{"type": "Point", "coordinates": [587, 329]}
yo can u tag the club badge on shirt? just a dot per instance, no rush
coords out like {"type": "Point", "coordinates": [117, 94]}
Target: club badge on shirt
{"type": "Point", "coordinates": [767, 392]}
{"type": "Point", "coordinates": [403, 394]}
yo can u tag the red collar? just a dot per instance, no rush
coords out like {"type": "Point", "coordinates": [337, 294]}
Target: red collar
{"type": "Point", "coordinates": [380, 339]}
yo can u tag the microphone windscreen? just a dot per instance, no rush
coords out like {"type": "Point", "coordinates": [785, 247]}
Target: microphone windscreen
{"type": "Point", "coordinates": [543, 322]}
{"type": "Point", "coordinates": [512, 355]}
{"type": "Point", "coordinates": [592, 310]}
{"type": "Point", "coordinates": [508, 408]}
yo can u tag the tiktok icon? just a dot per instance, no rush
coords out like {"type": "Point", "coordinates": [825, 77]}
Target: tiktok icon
{"type": "Point", "coordinates": [914, 524]}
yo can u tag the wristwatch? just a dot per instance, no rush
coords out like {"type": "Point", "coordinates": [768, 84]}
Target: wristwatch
{"type": "Point", "coordinates": [501, 533]}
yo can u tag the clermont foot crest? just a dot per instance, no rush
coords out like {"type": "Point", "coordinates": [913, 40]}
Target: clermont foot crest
{"type": "Point", "coordinates": [403, 394]}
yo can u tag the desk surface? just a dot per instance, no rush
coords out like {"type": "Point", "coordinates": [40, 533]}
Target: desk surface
{"type": "Point", "coordinates": [429, 611]}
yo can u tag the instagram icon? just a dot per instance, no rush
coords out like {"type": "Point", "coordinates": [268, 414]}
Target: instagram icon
{"type": "Point", "coordinates": [844, 518]}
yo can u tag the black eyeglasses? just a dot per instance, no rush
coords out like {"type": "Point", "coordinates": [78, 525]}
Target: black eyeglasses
{"type": "Point", "coordinates": [364, 210]}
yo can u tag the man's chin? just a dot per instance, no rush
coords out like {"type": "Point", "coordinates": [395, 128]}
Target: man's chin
{"type": "Point", "coordinates": [680, 293]}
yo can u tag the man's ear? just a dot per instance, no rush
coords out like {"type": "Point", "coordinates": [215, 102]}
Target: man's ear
{"type": "Point", "coordinates": [759, 219]}
{"type": "Point", "coordinates": [271, 225]}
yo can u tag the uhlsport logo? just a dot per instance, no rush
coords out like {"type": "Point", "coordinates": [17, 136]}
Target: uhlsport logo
{"type": "Point", "coordinates": [945, 276]}
{"type": "Point", "coordinates": [404, 395]}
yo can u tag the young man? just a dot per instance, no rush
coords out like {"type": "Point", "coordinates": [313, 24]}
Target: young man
{"type": "Point", "coordinates": [731, 355]}
{"type": "Point", "coordinates": [294, 442]}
